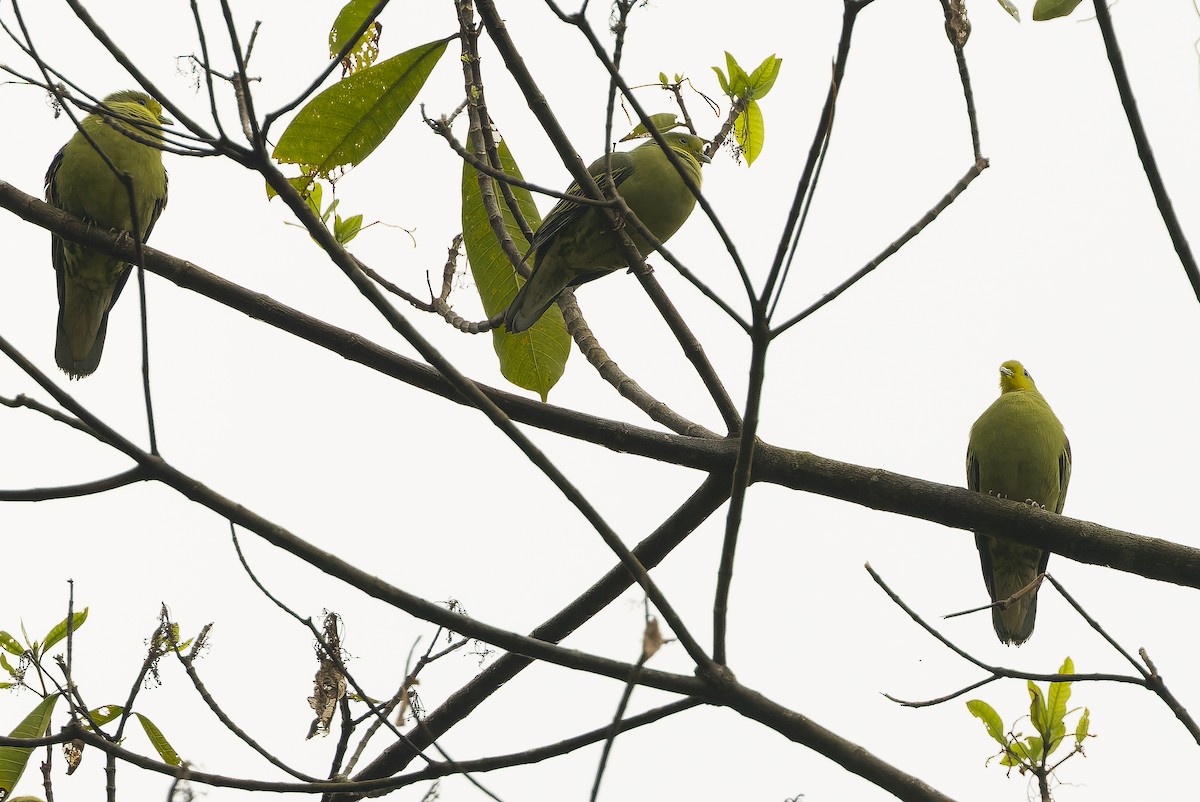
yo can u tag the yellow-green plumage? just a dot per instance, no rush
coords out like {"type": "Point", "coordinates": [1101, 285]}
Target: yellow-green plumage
{"type": "Point", "coordinates": [79, 181]}
{"type": "Point", "coordinates": [576, 243]}
{"type": "Point", "coordinates": [1018, 450]}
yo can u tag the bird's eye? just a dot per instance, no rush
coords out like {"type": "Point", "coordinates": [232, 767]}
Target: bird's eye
{"type": "Point", "coordinates": [1027, 375]}
{"type": "Point", "coordinates": [142, 101]}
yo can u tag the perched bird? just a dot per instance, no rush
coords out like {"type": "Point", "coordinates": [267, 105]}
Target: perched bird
{"type": "Point", "coordinates": [1018, 450]}
{"type": "Point", "coordinates": [576, 243]}
{"type": "Point", "coordinates": [81, 182]}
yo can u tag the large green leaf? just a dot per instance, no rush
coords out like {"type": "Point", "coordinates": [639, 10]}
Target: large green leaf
{"type": "Point", "coordinates": [749, 132]}
{"type": "Point", "coordinates": [343, 125]}
{"type": "Point", "coordinates": [1056, 706]}
{"type": "Point", "coordinates": [534, 359]}
{"type": "Point", "coordinates": [59, 630]}
{"type": "Point", "coordinates": [763, 78]}
{"type": "Point", "coordinates": [161, 745]}
{"type": "Point", "coordinates": [990, 718]}
{"type": "Point", "coordinates": [11, 644]}
{"type": "Point", "coordinates": [739, 81]}
{"type": "Point", "coordinates": [14, 758]}
{"type": "Point", "coordinates": [104, 714]}
{"type": "Point", "coordinates": [1037, 708]}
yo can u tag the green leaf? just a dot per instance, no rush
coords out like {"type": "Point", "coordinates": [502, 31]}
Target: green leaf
{"type": "Point", "coordinates": [748, 131]}
{"type": "Point", "coordinates": [739, 82]}
{"type": "Point", "coordinates": [159, 741]}
{"type": "Point", "coordinates": [722, 81]}
{"type": "Point", "coordinates": [105, 713]}
{"type": "Point", "coordinates": [1056, 705]}
{"type": "Point", "coordinates": [346, 230]}
{"type": "Point", "coordinates": [59, 630]}
{"type": "Point", "coordinates": [1037, 708]}
{"type": "Point", "coordinates": [14, 758]}
{"type": "Point", "coordinates": [349, 19]}
{"type": "Point", "coordinates": [1008, 6]}
{"type": "Point", "coordinates": [313, 198]}
{"type": "Point", "coordinates": [1057, 733]}
{"type": "Point", "coordinates": [344, 124]}
{"type": "Point", "coordinates": [990, 718]}
{"type": "Point", "coordinates": [662, 78]}
{"type": "Point", "coordinates": [1081, 729]}
{"type": "Point", "coordinates": [11, 671]}
{"type": "Point", "coordinates": [663, 122]}
{"type": "Point", "coordinates": [763, 78]}
{"type": "Point", "coordinates": [534, 359]}
{"type": "Point", "coordinates": [11, 644]}
{"type": "Point", "coordinates": [1051, 9]}
{"type": "Point", "coordinates": [1032, 751]}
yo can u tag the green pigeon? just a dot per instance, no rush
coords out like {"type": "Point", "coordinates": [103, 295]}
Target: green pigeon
{"type": "Point", "coordinates": [81, 182]}
{"type": "Point", "coordinates": [576, 244]}
{"type": "Point", "coordinates": [1017, 450]}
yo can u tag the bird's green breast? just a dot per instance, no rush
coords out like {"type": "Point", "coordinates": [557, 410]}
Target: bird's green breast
{"type": "Point", "coordinates": [87, 187]}
{"type": "Point", "coordinates": [1017, 444]}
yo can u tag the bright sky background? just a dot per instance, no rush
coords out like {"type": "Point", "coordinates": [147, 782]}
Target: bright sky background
{"type": "Point", "coordinates": [1055, 256]}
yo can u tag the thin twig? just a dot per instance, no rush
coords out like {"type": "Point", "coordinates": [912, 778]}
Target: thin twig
{"type": "Point", "coordinates": [891, 249]}
{"type": "Point", "coordinates": [996, 671]}
{"type": "Point", "coordinates": [75, 491]}
{"type": "Point", "coordinates": [651, 551]}
{"type": "Point", "coordinates": [1153, 681]}
{"type": "Point", "coordinates": [188, 663]}
{"type": "Point", "coordinates": [1145, 153]}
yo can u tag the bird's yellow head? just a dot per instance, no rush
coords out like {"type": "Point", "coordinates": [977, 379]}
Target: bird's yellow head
{"type": "Point", "coordinates": [138, 107]}
{"type": "Point", "coordinates": [687, 143]}
{"type": "Point", "coordinates": [1014, 376]}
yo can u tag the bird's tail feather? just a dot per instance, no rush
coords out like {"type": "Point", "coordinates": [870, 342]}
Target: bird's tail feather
{"type": "Point", "coordinates": [532, 301]}
{"type": "Point", "coordinates": [1015, 625]}
{"type": "Point", "coordinates": [1008, 568]}
{"type": "Point", "coordinates": [82, 325]}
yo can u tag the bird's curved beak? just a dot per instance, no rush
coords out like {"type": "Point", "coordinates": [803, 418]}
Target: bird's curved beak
{"type": "Point", "coordinates": [1006, 371]}
{"type": "Point", "coordinates": [165, 120]}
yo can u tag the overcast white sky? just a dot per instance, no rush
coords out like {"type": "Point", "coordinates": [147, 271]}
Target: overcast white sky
{"type": "Point", "coordinates": [1055, 256]}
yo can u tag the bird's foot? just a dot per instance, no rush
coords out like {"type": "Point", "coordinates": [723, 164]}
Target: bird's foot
{"type": "Point", "coordinates": [1033, 503]}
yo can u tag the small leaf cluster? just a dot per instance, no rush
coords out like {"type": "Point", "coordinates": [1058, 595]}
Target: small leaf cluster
{"type": "Point", "coordinates": [32, 656]}
{"type": "Point", "coordinates": [745, 91]}
{"type": "Point", "coordinates": [344, 230]}
{"type": "Point", "coordinates": [1047, 714]}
